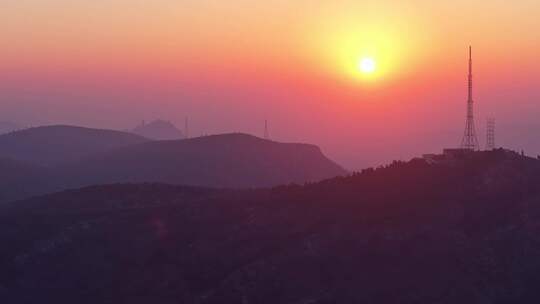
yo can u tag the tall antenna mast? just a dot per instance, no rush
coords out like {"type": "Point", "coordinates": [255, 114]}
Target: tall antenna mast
{"type": "Point", "coordinates": [490, 134]}
{"type": "Point", "coordinates": [470, 141]}
{"type": "Point", "coordinates": [266, 134]}
{"type": "Point", "coordinates": [186, 128]}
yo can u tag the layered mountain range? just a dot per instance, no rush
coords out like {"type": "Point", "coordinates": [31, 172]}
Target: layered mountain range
{"type": "Point", "coordinates": [55, 158]}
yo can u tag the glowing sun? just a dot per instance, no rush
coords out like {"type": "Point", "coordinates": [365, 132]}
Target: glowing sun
{"type": "Point", "coordinates": [367, 65]}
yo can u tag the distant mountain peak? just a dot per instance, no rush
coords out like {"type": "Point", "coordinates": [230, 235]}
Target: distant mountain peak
{"type": "Point", "coordinates": [158, 130]}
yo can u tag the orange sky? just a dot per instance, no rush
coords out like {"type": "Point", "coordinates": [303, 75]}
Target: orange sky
{"type": "Point", "coordinates": [231, 64]}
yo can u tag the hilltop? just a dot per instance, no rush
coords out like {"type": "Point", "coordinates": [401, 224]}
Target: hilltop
{"type": "Point", "coordinates": [53, 145]}
{"type": "Point", "coordinates": [464, 231]}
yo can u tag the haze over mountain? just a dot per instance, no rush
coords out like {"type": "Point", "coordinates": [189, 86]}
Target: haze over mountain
{"type": "Point", "coordinates": [8, 126]}
{"type": "Point", "coordinates": [53, 145]}
{"type": "Point", "coordinates": [458, 231]}
{"type": "Point", "coordinates": [159, 130]}
{"type": "Point", "coordinates": [229, 160]}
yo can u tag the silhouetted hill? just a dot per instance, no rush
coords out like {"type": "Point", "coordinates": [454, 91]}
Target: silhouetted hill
{"type": "Point", "coordinates": [159, 130]}
{"type": "Point", "coordinates": [230, 160]}
{"type": "Point", "coordinates": [15, 176]}
{"type": "Point", "coordinates": [13, 169]}
{"type": "Point", "coordinates": [462, 231]}
{"type": "Point", "coordinates": [51, 145]}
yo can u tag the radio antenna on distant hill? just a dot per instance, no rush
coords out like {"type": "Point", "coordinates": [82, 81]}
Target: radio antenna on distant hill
{"type": "Point", "coordinates": [266, 134]}
{"type": "Point", "coordinates": [186, 128]}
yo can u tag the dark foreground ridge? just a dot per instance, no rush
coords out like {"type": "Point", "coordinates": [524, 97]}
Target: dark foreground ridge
{"type": "Point", "coordinates": [462, 231]}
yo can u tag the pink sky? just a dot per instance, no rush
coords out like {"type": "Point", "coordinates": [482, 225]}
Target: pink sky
{"type": "Point", "coordinates": [228, 67]}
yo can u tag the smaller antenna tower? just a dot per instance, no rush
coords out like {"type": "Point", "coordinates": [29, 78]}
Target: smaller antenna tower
{"type": "Point", "coordinates": [490, 134]}
{"type": "Point", "coordinates": [186, 128]}
{"type": "Point", "coordinates": [266, 134]}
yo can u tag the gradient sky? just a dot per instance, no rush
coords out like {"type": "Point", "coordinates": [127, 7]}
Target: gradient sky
{"type": "Point", "coordinates": [229, 65]}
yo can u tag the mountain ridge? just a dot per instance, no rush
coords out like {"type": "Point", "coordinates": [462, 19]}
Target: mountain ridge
{"type": "Point", "coordinates": [244, 160]}
{"type": "Point", "coordinates": [224, 161]}
{"type": "Point", "coordinates": [55, 144]}
{"type": "Point", "coordinates": [408, 232]}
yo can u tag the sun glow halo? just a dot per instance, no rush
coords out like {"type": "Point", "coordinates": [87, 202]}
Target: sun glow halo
{"type": "Point", "coordinates": [367, 51]}
{"type": "Point", "coordinates": [367, 65]}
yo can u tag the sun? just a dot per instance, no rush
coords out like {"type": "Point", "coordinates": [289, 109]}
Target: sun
{"type": "Point", "coordinates": [367, 65]}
